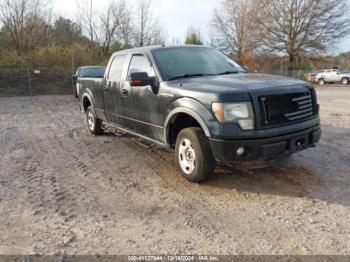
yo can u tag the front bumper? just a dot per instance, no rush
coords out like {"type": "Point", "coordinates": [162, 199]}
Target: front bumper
{"type": "Point", "coordinates": [265, 148]}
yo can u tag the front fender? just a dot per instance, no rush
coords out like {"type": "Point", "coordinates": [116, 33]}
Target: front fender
{"type": "Point", "coordinates": [193, 108]}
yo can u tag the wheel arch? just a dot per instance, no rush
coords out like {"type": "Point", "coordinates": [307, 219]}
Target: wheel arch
{"type": "Point", "coordinates": [86, 101]}
{"type": "Point", "coordinates": [192, 109]}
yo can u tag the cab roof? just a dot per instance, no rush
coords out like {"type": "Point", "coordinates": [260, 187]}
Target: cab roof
{"type": "Point", "coordinates": [151, 48]}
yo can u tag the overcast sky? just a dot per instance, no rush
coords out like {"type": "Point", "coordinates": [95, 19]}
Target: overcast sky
{"type": "Point", "coordinates": [176, 15]}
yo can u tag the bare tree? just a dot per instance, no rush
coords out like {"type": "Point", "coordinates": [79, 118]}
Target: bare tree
{"type": "Point", "coordinates": [110, 21]}
{"type": "Point", "coordinates": [296, 27]}
{"type": "Point", "coordinates": [88, 19]}
{"type": "Point", "coordinates": [125, 28]}
{"type": "Point", "coordinates": [108, 26]}
{"type": "Point", "coordinates": [27, 23]}
{"type": "Point", "coordinates": [143, 23]}
{"type": "Point", "coordinates": [147, 29]}
{"type": "Point", "coordinates": [235, 26]}
{"type": "Point", "coordinates": [158, 34]}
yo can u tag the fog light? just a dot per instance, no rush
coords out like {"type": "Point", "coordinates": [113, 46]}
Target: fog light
{"type": "Point", "coordinates": [240, 151]}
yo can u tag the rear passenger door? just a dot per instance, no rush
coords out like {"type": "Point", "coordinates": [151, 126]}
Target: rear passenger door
{"type": "Point", "coordinates": [112, 86]}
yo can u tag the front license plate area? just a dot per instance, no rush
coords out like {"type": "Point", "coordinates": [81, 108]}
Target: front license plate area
{"type": "Point", "coordinates": [299, 143]}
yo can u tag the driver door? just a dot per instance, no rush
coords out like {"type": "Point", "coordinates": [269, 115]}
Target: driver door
{"type": "Point", "coordinates": [146, 110]}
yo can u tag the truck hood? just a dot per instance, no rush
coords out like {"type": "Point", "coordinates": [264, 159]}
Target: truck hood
{"type": "Point", "coordinates": [239, 82]}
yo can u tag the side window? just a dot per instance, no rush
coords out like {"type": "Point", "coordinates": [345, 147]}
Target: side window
{"type": "Point", "coordinates": [140, 63]}
{"type": "Point", "coordinates": [116, 70]}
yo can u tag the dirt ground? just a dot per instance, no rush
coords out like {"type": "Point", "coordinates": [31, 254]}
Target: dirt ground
{"type": "Point", "coordinates": [64, 191]}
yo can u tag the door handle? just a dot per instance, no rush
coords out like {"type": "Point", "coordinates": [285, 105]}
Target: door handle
{"type": "Point", "coordinates": [125, 91]}
{"type": "Point", "coordinates": [105, 87]}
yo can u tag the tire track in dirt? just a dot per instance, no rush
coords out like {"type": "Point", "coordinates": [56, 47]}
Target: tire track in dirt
{"type": "Point", "coordinates": [57, 195]}
{"type": "Point", "coordinates": [66, 152]}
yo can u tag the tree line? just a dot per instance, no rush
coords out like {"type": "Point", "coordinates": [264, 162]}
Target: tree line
{"type": "Point", "coordinates": [30, 35]}
{"type": "Point", "coordinates": [290, 34]}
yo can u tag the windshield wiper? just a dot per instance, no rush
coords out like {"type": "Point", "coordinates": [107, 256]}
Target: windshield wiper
{"type": "Point", "coordinates": [227, 73]}
{"type": "Point", "coordinates": [188, 76]}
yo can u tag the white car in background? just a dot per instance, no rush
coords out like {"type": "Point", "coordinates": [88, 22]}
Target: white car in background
{"type": "Point", "coordinates": [332, 76]}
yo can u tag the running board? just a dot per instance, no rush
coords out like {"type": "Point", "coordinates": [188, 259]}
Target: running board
{"type": "Point", "coordinates": [143, 142]}
{"type": "Point", "coordinates": [119, 133]}
{"type": "Point", "coordinates": [122, 131]}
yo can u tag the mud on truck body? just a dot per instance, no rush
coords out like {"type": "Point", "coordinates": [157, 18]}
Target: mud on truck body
{"type": "Point", "coordinates": [201, 103]}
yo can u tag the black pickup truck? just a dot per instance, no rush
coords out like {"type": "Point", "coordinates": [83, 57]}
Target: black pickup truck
{"type": "Point", "coordinates": [203, 104]}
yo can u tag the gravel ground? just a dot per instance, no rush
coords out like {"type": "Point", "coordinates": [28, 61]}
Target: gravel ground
{"type": "Point", "coordinates": [64, 191]}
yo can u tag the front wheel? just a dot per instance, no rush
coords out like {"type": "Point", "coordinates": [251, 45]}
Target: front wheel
{"type": "Point", "coordinates": [94, 124]}
{"type": "Point", "coordinates": [193, 155]}
{"type": "Point", "coordinates": [345, 81]}
{"type": "Point", "coordinates": [321, 82]}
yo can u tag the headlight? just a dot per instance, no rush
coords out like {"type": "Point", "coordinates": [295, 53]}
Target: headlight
{"type": "Point", "coordinates": [240, 113]}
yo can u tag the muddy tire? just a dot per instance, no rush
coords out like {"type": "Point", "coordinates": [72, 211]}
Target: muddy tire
{"type": "Point", "coordinates": [94, 124]}
{"type": "Point", "coordinates": [321, 82]}
{"type": "Point", "coordinates": [194, 158]}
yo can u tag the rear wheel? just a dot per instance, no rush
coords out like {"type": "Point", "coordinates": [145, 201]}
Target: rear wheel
{"type": "Point", "coordinates": [193, 155]}
{"type": "Point", "coordinates": [345, 81]}
{"type": "Point", "coordinates": [321, 82]}
{"type": "Point", "coordinates": [94, 124]}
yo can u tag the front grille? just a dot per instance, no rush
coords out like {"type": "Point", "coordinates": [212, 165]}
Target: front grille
{"type": "Point", "coordinates": [285, 108]}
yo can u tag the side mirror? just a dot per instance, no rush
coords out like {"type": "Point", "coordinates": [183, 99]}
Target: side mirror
{"type": "Point", "coordinates": [75, 77]}
{"type": "Point", "coordinates": [142, 79]}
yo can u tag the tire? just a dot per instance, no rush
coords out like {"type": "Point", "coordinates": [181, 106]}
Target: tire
{"type": "Point", "coordinates": [94, 124]}
{"type": "Point", "coordinates": [345, 81]}
{"type": "Point", "coordinates": [321, 81]}
{"type": "Point", "coordinates": [194, 158]}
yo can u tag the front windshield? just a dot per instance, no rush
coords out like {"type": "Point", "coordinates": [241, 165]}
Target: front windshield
{"type": "Point", "coordinates": [93, 72]}
{"type": "Point", "coordinates": [193, 61]}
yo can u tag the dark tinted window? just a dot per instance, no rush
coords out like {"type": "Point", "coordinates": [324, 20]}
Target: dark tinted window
{"type": "Point", "coordinates": [95, 72]}
{"type": "Point", "coordinates": [179, 61]}
{"type": "Point", "coordinates": [140, 63]}
{"type": "Point", "coordinates": [116, 70]}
